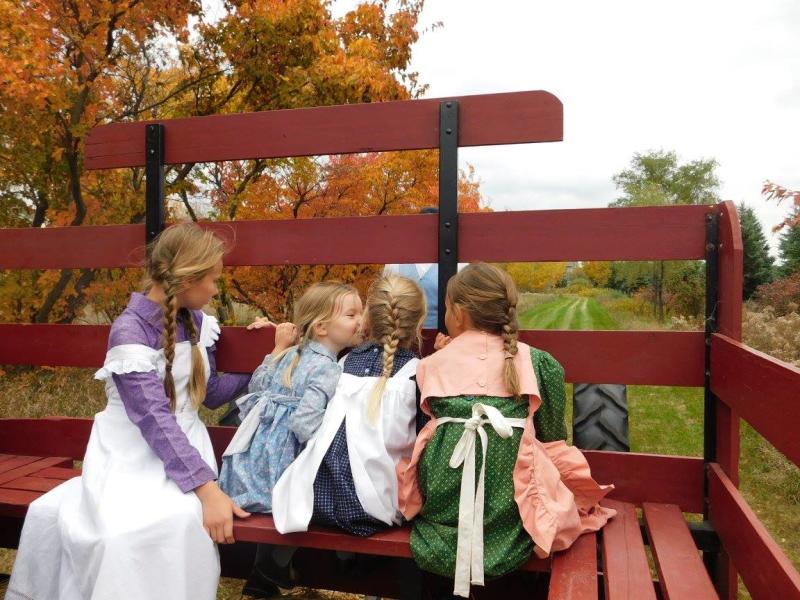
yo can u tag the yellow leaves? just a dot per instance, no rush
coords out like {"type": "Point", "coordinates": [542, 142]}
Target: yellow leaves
{"type": "Point", "coordinates": [536, 277]}
{"type": "Point", "coordinates": [599, 272]}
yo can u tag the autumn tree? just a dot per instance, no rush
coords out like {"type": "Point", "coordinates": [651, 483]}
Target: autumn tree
{"type": "Point", "coordinates": [599, 272]}
{"type": "Point", "coordinates": [536, 277]}
{"type": "Point", "coordinates": [67, 67]}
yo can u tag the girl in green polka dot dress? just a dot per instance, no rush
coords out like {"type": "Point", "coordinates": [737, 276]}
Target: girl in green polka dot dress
{"type": "Point", "coordinates": [483, 491]}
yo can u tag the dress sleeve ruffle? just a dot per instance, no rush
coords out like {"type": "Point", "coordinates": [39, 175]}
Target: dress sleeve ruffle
{"type": "Point", "coordinates": [209, 330]}
{"type": "Point", "coordinates": [131, 358]}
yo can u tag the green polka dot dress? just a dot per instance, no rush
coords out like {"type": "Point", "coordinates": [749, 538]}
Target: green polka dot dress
{"type": "Point", "coordinates": [506, 543]}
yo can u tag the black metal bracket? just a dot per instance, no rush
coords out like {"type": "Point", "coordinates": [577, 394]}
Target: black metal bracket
{"type": "Point", "coordinates": [448, 200]}
{"type": "Point", "coordinates": [154, 181]}
{"type": "Point", "coordinates": [710, 555]}
{"type": "Point", "coordinates": [712, 302]}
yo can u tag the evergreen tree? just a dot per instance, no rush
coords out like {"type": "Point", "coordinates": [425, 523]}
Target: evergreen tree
{"type": "Point", "coordinates": [758, 264]}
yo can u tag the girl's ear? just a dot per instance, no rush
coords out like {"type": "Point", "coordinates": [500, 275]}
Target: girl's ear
{"type": "Point", "coordinates": [319, 330]}
{"type": "Point", "coordinates": [458, 313]}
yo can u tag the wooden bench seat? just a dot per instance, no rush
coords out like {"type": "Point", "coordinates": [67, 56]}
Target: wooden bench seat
{"type": "Point", "coordinates": [575, 574]}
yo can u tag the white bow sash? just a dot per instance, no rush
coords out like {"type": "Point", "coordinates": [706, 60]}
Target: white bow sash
{"type": "Point", "coordinates": [469, 552]}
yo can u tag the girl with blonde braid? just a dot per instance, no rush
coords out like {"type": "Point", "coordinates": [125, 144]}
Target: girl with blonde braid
{"type": "Point", "coordinates": [289, 392]}
{"type": "Point", "coordinates": [141, 521]}
{"type": "Point", "coordinates": [516, 495]}
{"type": "Point", "coordinates": [345, 477]}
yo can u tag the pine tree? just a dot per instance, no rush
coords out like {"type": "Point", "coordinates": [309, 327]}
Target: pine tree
{"type": "Point", "coordinates": [790, 248]}
{"type": "Point", "coordinates": [758, 264]}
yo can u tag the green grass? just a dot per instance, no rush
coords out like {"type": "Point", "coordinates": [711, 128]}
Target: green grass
{"type": "Point", "coordinates": [567, 312]}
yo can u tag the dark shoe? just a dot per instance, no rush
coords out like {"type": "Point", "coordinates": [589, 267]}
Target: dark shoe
{"type": "Point", "coordinates": [258, 587]}
{"type": "Point", "coordinates": [269, 571]}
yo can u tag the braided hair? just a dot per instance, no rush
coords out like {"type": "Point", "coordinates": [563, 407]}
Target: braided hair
{"type": "Point", "coordinates": [489, 296]}
{"type": "Point", "coordinates": [396, 311]}
{"type": "Point", "coordinates": [179, 256]}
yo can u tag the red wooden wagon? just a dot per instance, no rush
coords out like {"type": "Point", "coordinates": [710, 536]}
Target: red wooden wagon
{"type": "Point", "coordinates": [693, 560]}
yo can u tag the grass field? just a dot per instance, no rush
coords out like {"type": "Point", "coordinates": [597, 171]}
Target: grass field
{"type": "Point", "coordinates": [567, 312]}
{"type": "Point", "coordinates": [663, 420]}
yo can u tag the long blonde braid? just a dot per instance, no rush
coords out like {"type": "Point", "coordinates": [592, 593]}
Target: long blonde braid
{"type": "Point", "coordinates": [197, 382]}
{"type": "Point", "coordinates": [179, 256]}
{"type": "Point", "coordinates": [396, 311]}
{"type": "Point", "coordinates": [170, 306]}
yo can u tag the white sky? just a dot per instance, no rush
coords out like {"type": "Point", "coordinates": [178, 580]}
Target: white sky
{"type": "Point", "coordinates": [706, 78]}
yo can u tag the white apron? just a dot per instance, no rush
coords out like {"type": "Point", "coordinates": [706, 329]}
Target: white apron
{"type": "Point", "coordinates": [374, 449]}
{"type": "Point", "coordinates": [123, 530]}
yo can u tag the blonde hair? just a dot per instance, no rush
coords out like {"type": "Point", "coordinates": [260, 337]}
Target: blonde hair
{"type": "Point", "coordinates": [489, 296]}
{"type": "Point", "coordinates": [396, 310]}
{"type": "Point", "coordinates": [179, 256]}
{"type": "Point", "coordinates": [319, 304]}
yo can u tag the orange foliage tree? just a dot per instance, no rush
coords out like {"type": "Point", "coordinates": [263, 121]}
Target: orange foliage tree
{"type": "Point", "coordinates": [66, 67]}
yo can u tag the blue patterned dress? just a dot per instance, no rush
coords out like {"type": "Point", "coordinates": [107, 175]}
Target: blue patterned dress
{"type": "Point", "coordinates": [283, 420]}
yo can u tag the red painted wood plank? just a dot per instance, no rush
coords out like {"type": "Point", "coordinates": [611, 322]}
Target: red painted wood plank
{"type": "Point", "coordinates": [15, 462]}
{"type": "Point", "coordinates": [642, 233]}
{"type": "Point", "coordinates": [53, 345]}
{"type": "Point", "coordinates": [32, 484]}
{"type": "Point", "coordinates": [682, 575]}
{"type": "Point", "coordinates": [509, 118]}
{"type": "Point", "coordinates": [87, 246]}
{"type": "Point", "coordinates": [762, 389]}
{"type": "Point", "coordinates": [5, 457]}
{"type": "Point", "coordinates": [391, 542]}
{"type": "Point", "coordinates": [625, 568]}
{"type": "Point", "coordinates": [574, 571]}
{"type": "Point", "coordinates": [731, 257]}
{"type": "Point", "coordinates": [32, 467]}
{"type": "Point", "coordinates": [14, 503]}
{"type": "Point", "coordinates": [633, 357]}
{"type": "Point", "coordinates": [675, 232]}
{"type": "Point", "coordinates": [640, 478]}
{"type": "Point", "coordinates": [58, 473]}
{"type": "Point", "coordinates": [50, 436]}
{"type": "Point", "coordinates": [729, 323]}
{"type": "Point", "coordinates": [765, 569]}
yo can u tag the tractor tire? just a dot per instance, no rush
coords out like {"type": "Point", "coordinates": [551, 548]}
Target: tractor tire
{"type": "Point", "coordinates": [600, 417]}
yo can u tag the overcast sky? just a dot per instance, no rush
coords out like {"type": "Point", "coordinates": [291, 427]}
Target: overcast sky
{"type": "Point", "coordinates": [708, 79]}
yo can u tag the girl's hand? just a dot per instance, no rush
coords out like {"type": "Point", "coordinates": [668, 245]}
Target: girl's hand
{"type": "Point", "coordinates": [218, 511]}
{"type": "Point", "coordinates": [285, 337]}
{"type": "Point", "coordinates": [260, 323]}
{"type": "Point", "coordinates": [441, 341]}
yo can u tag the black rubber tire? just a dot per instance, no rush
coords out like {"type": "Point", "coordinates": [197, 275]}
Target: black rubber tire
{"type": "Point", "coordinates": [600, 417]}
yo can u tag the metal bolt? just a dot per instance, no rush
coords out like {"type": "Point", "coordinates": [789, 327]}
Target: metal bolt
{"type": "Point", "coordinates": [449, 105]}
{"type": "Point", "coordinates": [708, 373]}
{"type": "Point", "coordinates": [152, 151]}
{"type": "Point", "coordinates": [448, 131]}
{"type": "Point", "coordinates": [447, 224]}
{"type": "Point", "coordinates": [447, 250]}
{"type": "Point", "coordinates": [709, 247]}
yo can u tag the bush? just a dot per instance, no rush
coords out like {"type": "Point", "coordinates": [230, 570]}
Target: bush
{"type": "Point", "coordinates": [778, 336]}
{"type": "Point", "coordinates": [782, 296]}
